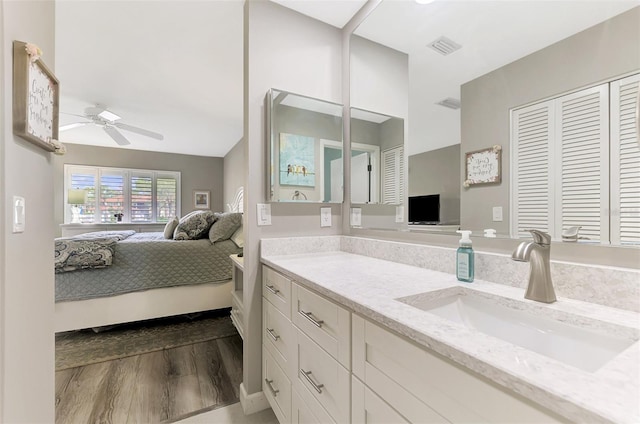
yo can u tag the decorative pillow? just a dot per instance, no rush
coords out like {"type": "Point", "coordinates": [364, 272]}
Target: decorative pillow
{"type": "Point", "coordinates": [226, 224]}
{"type": "Point", "coordinates": [238, 237]}
{"type": "Point", "coordinates": [194, 225]}
{"type": "Point", "coordinates": [170, 228]}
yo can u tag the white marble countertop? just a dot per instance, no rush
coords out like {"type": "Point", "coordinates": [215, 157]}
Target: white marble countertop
{"type": "Point", "coordinates": [369, 287]}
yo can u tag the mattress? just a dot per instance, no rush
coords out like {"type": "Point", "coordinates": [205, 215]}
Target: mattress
{"type": "Point", "coordinates": [146, 261]}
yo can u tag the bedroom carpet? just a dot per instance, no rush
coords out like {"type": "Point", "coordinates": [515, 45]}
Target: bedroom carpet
{"type": "Point", "coordinates": [79, 348]}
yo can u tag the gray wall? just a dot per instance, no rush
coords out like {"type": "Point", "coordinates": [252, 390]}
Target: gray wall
{"type": "Point", "coordinates": [599, 53]}
{"type": "Point", "coordinates": [234, 170]}
{"type": "Point", "coordinates": [438, 172]}
{"type": "Point", "coordinates": [26, 260]}
{"type": "Point", "coordinates": [197, 172]}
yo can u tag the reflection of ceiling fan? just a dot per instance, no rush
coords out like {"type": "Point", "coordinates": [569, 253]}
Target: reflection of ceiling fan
{"type": "Point", "coordinates": [110, 123]}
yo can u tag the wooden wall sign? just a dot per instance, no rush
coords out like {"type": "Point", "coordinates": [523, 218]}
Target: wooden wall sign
{"type": "Point", "coordinates": [483, 166]}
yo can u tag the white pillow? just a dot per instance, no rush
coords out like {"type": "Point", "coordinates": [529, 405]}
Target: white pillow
{"type": "Point", "coordinates": [238, 238]}
{"type": "Point", "coordinates": [170, 228]}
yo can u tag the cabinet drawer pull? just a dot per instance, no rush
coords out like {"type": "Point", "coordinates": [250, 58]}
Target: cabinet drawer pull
{"type": "Point", "coordinates": [309, 316]}
{"type": "Point", "coordinates": [272, 289]}
{"type": "Point", "coordinates": [306, 375]}
{"type": "Point", "coordinates": [273, 335]}
{"type": "Point", "coordinates": [274, 392]}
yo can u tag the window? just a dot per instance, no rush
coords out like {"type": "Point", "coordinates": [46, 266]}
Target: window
{"type": "Point", "coordinates": [139, 195]}
{"type": "Point", "coordinates": [576, 162]}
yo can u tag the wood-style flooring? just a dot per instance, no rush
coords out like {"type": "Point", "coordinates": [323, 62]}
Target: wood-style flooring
{"type": "Point", "coordinates": [153, 387]}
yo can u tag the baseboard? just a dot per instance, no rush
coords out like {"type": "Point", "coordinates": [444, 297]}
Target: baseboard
{"type": "Point", "coordinates": [255, 402]}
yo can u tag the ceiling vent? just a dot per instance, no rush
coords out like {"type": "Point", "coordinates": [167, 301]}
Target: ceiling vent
{"type": "Point", "coordinates": [450, 102]}
{"type": "Point", "coordinates": [444, 46]}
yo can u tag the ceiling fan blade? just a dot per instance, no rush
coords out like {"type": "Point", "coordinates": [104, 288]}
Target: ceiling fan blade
{"type": "Point", "coordinates": [72, 126]}
{"type": "Point", "coordinates": [139, 130]}
{"type": "Point", "coordinates": [116, 135]}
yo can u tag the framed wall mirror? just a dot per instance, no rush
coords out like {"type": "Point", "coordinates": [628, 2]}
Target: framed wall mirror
{"type": "Point", "coordinates": [305, 152]}
{"type": "Point", "coordinates": [469, 88]}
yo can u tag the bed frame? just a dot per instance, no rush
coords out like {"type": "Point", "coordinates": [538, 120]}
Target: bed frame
{"type": "Point", "coordinates": [137, 306]}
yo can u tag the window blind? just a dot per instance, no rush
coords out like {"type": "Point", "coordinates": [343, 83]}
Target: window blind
{"type": "Point", "coordinates": [85, 181]}
{"type": "Point", "coordinates": [111, 196]}
{"type": "Point", "coordinates": [141, 198]}
{"type": "Point", "coordinates": [392, 176]}
{"type": "Point", "coordinates": [166, 193]}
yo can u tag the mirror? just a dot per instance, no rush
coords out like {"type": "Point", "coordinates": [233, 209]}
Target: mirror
{"type": "Point", "coordinates": [470, 68]}
{"type": "Point", "coordinates": [377, 155]}
{"type": "Point", "coordinates": [305, 154]}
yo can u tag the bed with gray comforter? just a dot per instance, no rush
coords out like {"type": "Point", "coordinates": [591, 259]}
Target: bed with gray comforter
{"type": "Point", "coordinates": [144, 261]}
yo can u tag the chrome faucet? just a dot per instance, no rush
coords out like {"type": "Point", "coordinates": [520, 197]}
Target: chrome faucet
{"type": "Point", "coordinates": [537, 253]}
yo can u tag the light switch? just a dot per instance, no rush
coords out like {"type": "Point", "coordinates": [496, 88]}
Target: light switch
{"type": "Point", "coordinates": [19, 211]}
{"type": "Point", "coordinates": [356, 217]}
{"type": "Point", "coordinates": [399, 213]}
{"type": "Point", "coordinates": [263, 214]}
{"type": "Point", "coordinates": [325, 217]}
{"type": "Point", "coordinates": [497, 214]}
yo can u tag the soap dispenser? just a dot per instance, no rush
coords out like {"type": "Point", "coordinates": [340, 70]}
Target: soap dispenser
{"type": "Point", "coordinates": [464, 258]}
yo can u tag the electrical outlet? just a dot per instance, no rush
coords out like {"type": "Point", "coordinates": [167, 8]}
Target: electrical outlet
{"type": "Point", "coordinates": [263, 214]}
{"type": "Point", "coordinates": [325, 217]}
{"type": "Point", "coordinates": [356, 217]}
{"type": "Point", "coordinates": [497, 214]}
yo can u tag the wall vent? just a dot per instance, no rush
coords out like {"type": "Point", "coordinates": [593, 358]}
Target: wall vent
{"type": "Point", "coordinates": [450, 102]}
{"type": "Point", "coordinates": [444, 46]}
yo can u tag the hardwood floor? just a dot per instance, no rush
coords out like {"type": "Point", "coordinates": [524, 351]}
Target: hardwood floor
{"type": "Point", "coordinates": [152, 387]}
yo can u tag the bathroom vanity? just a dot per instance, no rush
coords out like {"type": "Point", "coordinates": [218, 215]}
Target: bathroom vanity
{"type": "Point", "coordinates": [348, 337]}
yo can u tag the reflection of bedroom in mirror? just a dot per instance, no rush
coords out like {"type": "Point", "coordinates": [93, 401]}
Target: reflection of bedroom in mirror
{"type": "Point", "coordinates": [305, 149]}
{"type": "Point", "coordinates": [465, 95]}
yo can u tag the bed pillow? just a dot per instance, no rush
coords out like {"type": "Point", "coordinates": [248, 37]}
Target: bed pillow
{"type": "Point", "coordinates": [194, 225]}
{"type": "Point", "coordinates": [238, 237]}
{"type": "Point", "coordinates": [225, 225]}
{"type": "Point", "coordinates": [170, 228]}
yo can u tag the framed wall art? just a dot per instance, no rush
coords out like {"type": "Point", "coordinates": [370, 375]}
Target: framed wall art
{"type": "Point", "coordinates": [483, 166]}
{"type": "Point", "coordinates": [36, 97]}
{"type": "Point", "coordinates": [201, 199]}
{"type": "Point", "coordinates": [297, 160]}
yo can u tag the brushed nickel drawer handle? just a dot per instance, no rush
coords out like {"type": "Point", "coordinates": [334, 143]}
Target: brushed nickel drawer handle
{"type": "Point", "coordinates": [309, 316]}
{"type": "Point", "coordinates": [306, 375]}
{"type": "Point", "coordinates": [274, 392]}
{"type": "Point", "coordinates": [272, 289]}
{"type": "Point", "coordinates": [273, 335]}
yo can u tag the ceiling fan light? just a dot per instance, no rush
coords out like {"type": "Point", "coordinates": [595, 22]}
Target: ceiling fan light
{"type": "Point", "coordinates": [424, 1]}
{"type": "Point", "coordinates": [105, 114]}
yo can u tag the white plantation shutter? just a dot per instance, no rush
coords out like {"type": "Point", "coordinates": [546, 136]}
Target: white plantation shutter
{"type": "Point", "coordinates": [625, 162]}
{"type": "Point", "coordinates": [392, 176]}
{"type": "Point", "coordinates": [141, 197]}
{"type": "Point", "coordinates": [582, 172]}
{"type": "Point", "coordinates": [112, 195]}
{"type": "Point", "coordinates": [531, 133]}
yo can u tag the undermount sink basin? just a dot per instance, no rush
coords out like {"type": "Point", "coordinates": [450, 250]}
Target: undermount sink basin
{"type": "Point", "coordinates": [527, 326]}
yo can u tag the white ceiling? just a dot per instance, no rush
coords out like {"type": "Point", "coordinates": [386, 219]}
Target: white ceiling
{"type": "Point", "coordinates": [492, 33]}
{"type": "Point", "coordinates": [173, 67]}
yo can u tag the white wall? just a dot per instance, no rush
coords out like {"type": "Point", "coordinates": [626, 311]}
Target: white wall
{"type": "Point", "coordinates": [27, 283]}
{"type": "Point", "coordinates": [289, 51]}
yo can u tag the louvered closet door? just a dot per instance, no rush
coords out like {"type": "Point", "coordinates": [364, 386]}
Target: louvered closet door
{"type": "Point", "coordinates": [582, 145]}
{"type": "Point", "coordinates": [625, 162]}
{"type": "Point", "coordinates": [531, 190]}
{"type": "Point", "coordinates": [393, 176]}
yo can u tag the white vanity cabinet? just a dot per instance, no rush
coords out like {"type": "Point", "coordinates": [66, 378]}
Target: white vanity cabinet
{"type": "Point", "coordinates": [306, 353]}
{"type": "Point", "coordinates": [394, 375]}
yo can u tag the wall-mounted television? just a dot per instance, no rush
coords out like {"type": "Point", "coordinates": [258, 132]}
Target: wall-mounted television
{"type": "Point", "coordinates": [424, 210]}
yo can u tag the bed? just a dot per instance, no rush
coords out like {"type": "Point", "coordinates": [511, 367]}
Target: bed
{"type": "Point", "coordinates": [149, 277]}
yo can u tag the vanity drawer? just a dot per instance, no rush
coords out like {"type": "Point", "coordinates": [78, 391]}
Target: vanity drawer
{"type": "Point", "coordinates": [276, 387]}
{"type": "Point", "coordinates": [423, 386]}
{"type": "Point", "coordinates": [277, 289]}
{"type": "Point", "coordinates": [322, 376]}
{"type": "Point", "coordinates": [278, 337]}
{"type": "Point", "coordinates": [325, 322]}
{"type": "Point", "coordinates": [305, 409]}
{"type": "Point", "coordinates": [369, 408]}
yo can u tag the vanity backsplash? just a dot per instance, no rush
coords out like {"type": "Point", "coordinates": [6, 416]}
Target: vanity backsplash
{"type": "Point", "coordinates": [609, 286]}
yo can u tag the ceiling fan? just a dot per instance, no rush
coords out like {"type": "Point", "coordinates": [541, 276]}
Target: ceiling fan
{"type": "Point", "coordinates": [110, 123]}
